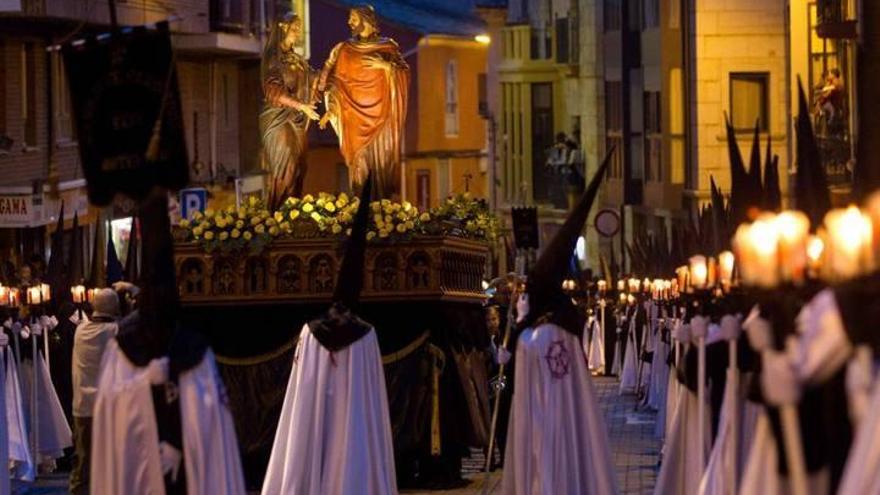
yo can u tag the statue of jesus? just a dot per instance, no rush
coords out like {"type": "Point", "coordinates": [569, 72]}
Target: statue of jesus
{"type": "Point", "coordinates": [364, 83]}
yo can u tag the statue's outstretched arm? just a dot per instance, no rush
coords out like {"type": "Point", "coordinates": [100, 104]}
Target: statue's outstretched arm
{"type": "Point", "coordinates": [321, 85]}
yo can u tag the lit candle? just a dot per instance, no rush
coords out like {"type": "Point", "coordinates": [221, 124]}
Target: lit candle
{"type": "Point", "coordinates": [794, 228]}
{"type": "Point", "coordinates": [622, 298]}
{"type": "Point", "coordinates": [711, 272]}
{"type": "Point", "coordinates": [725, 269]}
{"type": "Point", "coordinates": [657, 288]}
{"type": "Point", "coordinates": [848, 242]}
{"type": "Point", "coordinates": [78, 293]}
{"type": "Point", "coordinates": [634, 284]}
{"type": "Point", "coordinates": [699, 271]}
{"type": "Point", "coordinates": [34, 295]}
{"type": "Point", "coordinates": [602, 286]}
{"type": "Point", "coordinates": [14, 297]}
{"type": "Point", "coordinates": [667, 289]}
{"type": "Point", "coordinates": [815, 254]}
{"type": "Point", "coordinates": [45, 293]}
{"type": "Point", "coordinates": [631, 299]}
{"type": "Point", "coordinates": [4, 296]}
{"type": "Point", "coordinates": [756, 247]}
{"type": "Point", "coordinates": [682, 278]}
{"type": "Point", "coordinates": [621, 286]}
{"type": "Point", "coordinates": [674, 288]}
{"type": "Point", "coordinates": [90, 294]}
{"type": "Point", "coordinates": [646, 285]}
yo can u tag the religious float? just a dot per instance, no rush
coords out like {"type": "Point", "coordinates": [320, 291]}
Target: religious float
{"type": "Point", "coordinates": [248, 256]}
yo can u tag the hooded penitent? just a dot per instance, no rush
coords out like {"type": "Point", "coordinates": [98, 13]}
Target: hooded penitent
{"type": "Point", "coordinates": [556, 441]}
{"type": "Point", "coordinates": [544, 285]}
{"type": "Point", "coordinates": [334, 433]}
{"type": "Point", "coordinates": [161, 420]}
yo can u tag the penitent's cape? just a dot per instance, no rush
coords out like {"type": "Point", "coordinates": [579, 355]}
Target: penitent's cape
{"type": "Point", "coordinates": [125, 440]}
{"type": "Point", "coordinates": [556, 441]}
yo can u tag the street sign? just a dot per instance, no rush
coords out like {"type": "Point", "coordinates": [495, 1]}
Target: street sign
{"type": "Point", "coordinates": [607, 222]}
{"type": "Point", "coordinates": [193, 200]}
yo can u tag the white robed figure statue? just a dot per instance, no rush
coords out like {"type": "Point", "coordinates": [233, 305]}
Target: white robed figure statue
{"type": "Point", "coordinates": [334, 434]}
{"type": "Point", "coordinates": [556, 442]}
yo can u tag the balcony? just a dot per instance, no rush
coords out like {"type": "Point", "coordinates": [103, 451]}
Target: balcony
{"type": "Point", "coordinates": [244, 17]}
{"type": "Point", "coordinates": [836, 19]}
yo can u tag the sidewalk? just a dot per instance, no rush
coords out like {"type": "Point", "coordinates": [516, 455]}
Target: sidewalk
{"type": "Point", "coordinates": [631, 433]}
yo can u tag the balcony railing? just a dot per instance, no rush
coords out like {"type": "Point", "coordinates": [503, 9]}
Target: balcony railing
{"type": "Point", "coordinates": [245, 17]}
{"type": "Point", "coordinates": [835, 19]}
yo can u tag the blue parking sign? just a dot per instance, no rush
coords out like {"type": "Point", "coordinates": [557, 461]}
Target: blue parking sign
{"type": "Point", "coordinates": [193, 200]}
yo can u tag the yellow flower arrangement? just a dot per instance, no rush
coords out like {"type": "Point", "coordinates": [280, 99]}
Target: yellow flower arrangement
{"type": "Point", "coordinates": [251, 227]}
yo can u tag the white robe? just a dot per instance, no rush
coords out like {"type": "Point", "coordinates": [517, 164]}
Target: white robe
{"type": "Point", "coordinates": [53, 431]}
{"type": "Point", "coordinates": [680, 471]}
{"type": "Point", "coordinates": [716, 478]}
{"type": "Point", "coordinates": [4, 435]}
{"type": "Point", "coordinates": [594, 340]}
{"type": "Point", "coordinates": [629, 373]}
{"type": "Point", "coordinates": [21, 462]}
{"type": "Point", "coordinates": [334, 434]}
{"type": "Point", "coordinates": [659, 376]}
{"type": "Point", "coordinates": [862, 471]}
{"type": "Point", "coordinates": [125, 439]}
{"type": "Point", "coordinates": [556, 441]}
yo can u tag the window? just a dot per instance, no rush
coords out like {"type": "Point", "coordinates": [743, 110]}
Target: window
{"type": "Point", "coordinates": [614, 125]}
{"type": "Point", "coordinates": [4, 143]}
{"type": "Point", "coordinates": [225, 81]}
{"type": "Point", "coordinates": [611, 15]}
{"type": "Point", "coordinates": [653, 136]}
{"type": "Point", "coordinates": [451, 109]}
{"type": "Point", "coordinates": [651, 15]}
{"type": "Point", "coordinates": [423, 189]}
{"type": "Point", "coordinates": [29, 93]}
{"type": "Point", "coordinates": [545, 185]}
{"type": "Point", "coordinates": [482, 96]}
{"type": "Point", "coordinates": [64, 131]}
{"type": "Point", "coordinates": [749, 100]}
{"type": "Point", "coordinates": [562, 41]}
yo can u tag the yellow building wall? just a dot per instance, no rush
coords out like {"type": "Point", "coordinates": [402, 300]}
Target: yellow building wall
{"type": "Point", "coordinates": [738, 37]}
{"type": "Point", "coordinates": [448, 157]}
{"type": "Point", "coordinates": [433, 56]}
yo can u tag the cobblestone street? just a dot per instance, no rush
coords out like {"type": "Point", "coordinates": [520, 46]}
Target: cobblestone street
{"type": "Point", "coordinates": [631, 433]}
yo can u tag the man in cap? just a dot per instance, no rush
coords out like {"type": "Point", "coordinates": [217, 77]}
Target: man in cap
{"type": "Point", "coordinates": [556, 441]}
{"type": "Point", "coordinates": [334, 434]}
{"type": "Point", "coordinates": [89, 342]}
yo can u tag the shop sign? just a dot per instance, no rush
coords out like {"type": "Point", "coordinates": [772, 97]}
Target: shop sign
{"type": "Point", "coordinates": [16, 210]}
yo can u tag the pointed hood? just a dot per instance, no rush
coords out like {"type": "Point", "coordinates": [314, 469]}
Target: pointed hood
{"type": "Point", "coordinates": [350, 279]}
{"type": "Point", "coordinates": [756, 190]}
{"type": "Point", "coordinates": [811, 194]}
{"type": "Point", "coordinates": [75, 268]}
{"type": "Point", "coordinates": [339, 327]}
{"type": "Point", "coordinates": [114, 267]}
{"type": "Point", "coordinates": [544, 285]}
{"type": "Point", "coordinates": [96, 266]}
{"type": "Point", "coordinates": [772, 192]}
{"type": "Point", "coordinates": [739, 180]}
{"type": "Point", "coordinates": [131, 266]}
{"type": "Point", "coordinates": [56, 271]}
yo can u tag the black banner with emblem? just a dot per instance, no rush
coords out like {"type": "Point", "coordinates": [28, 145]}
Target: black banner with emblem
{"type": "Point", "coordinates": [127, 111]}
{"type": "Point", "coordinates": [525, 227]}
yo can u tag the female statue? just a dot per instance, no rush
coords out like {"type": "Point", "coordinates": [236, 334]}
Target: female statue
{"type": "Point", "coordinates": [287, 110]}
